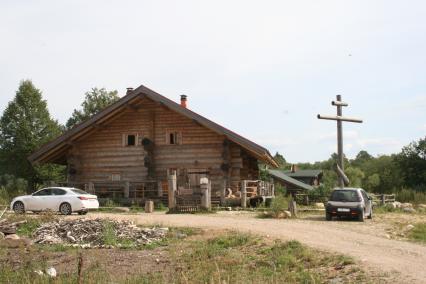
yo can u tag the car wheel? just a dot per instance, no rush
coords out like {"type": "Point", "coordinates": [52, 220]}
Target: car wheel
{"type": "Point", "coordinates": [82, 212]}
{"type": "Point", "coordinates": [18, 207]}
{"type": "Point", "coordinates": [361, 216]}
{"type": "Point", "coordinates": [328, 216]}
{"type": "Point", "coordinates": [65, 209]}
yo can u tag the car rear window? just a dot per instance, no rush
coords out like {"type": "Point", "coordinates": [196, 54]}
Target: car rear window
{"type": "Point", "coordinates": [78, 191]}
{"type": "Point", "coordinates": [345, 196]}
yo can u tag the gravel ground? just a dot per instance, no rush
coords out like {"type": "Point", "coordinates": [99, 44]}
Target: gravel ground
{"type": "Point", "coordinates": [400, 261]}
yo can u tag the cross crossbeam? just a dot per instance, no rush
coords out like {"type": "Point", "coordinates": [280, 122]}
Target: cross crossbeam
{"type": "Point", "coordinates": [343, 179]}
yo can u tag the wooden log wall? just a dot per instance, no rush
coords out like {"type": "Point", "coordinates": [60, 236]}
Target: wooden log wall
{"type": "Point", "coordinates": [101, 154]}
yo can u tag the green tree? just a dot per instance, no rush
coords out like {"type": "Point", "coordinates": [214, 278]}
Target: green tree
{"type": "Point", "coordinates": [372, 183]}
{"type": "Point", "coordinates": [95, 101]}
{"type": "Point", "coordinates": [24, 126]}
{"type": "Point", "coordinates": [412, 163]}
{"type": "Point", "coordinates": [280, 160]}
{"type": "Point", "coordinates": [355, 176]}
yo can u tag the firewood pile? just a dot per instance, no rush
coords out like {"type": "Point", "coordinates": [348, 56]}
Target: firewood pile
{"type": "Point", "coordinates": [9, 228]}
{"type": "Point", "coordinates": [91, 233]}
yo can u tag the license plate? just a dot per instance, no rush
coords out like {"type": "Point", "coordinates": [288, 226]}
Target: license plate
{"type": "Point", "coordinates": [343, 209]}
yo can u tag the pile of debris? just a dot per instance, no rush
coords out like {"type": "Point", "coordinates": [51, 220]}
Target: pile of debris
{"type": "Point", "coordinates": [8, 229]}
{"type": "Point", "coordinates": [93, 233]}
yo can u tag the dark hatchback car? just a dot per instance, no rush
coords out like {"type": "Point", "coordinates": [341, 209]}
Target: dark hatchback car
{"type": "Point", "coordinates": [349, 202]}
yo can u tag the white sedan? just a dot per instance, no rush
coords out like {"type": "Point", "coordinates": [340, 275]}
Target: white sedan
{"type": "Point", "coordinates": [66, 200]}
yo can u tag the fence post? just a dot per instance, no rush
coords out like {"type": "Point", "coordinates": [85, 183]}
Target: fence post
{"type": "Point", "coordinates": [205, 193]}
{"type": "Point", "coordinates": [126, 189]}
{"type": "Point", "coordinates": [292, 206]}
{"type": "Point", "coordinates": [172, 190]}
{"type": "Point", "coordinates": [383, 200]}
{"type": "Point", "coordinates": [244, 194]}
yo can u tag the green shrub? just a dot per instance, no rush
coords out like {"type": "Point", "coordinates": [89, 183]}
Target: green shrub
{"type": "Point", "coordinates": [412, 196]}
{"type": "Point", "coordinates": [278, 205]}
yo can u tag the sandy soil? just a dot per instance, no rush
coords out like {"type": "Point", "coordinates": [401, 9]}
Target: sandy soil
{"type": "Point", "coordinates": [400, 260]}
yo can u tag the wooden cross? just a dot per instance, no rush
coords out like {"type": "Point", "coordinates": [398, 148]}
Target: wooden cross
{"type": "Point", "coordinates": [339, 118]}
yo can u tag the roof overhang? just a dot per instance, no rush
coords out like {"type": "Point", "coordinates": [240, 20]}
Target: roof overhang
{"type": "Point", "coordinates": [55, 149]}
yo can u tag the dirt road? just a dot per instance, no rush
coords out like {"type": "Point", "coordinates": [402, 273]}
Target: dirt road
{"type": "Point", "coordinates": [405, 260]}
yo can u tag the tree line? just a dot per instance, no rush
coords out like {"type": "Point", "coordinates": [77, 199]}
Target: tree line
{"type": "Point", "coordinates": [26, 125]}
{"type": "Point", "coordinates": [401, 172]}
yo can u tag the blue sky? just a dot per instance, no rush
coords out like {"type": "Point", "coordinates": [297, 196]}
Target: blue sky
{"type": "Point", "coordinates": [264, 69]}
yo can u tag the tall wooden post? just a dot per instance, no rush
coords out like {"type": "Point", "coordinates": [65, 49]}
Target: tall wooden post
{"type": "Point", "coordinates": [172, 190]}
{"type": "Point", "coordinates": [244, 194]}
{"type": "Point", "coordinates": [205, 187]}
{"type": "Point", "coordinates": [339, 118]}
{"type": "Point", "coordinates": [126, 189]}
{"type": "Point", "coordinates": [160, 189]}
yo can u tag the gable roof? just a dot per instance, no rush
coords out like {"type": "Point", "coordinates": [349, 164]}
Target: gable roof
{"type": "Point", "coordinates": [277, 174]}
{"type": "Point", "coordinates": [303, 173]}
{"type": "Point", "coordinates": [61, 143]}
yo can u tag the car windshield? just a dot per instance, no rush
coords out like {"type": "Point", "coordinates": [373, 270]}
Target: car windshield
{"type": "Point", "coordinates": [345, 196]}
{"type": "Point", "coordinates": [78, 191]}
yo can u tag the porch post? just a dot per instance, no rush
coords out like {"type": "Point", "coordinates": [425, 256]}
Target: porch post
{"type": "Point", "coordinates": [172, 190]}
{"type": "Point", "coordinates": [160, 189]}
{"type": "Point", "coordinates": [205, 187]}
{"type": "Point", "coordinates": [244, 194]}
{"type": "Point", "coordinates": [126, 189]}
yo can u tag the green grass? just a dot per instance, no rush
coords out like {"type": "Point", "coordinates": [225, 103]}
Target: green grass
{"type": "Point", "coordinates": [418, 233]}
{"type": "Point", "coordinates": [226, 258]}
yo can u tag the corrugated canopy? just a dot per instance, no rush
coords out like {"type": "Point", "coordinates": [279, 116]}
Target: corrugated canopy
{"type": "Point", "coordinates": [55, 150]}
{"type": "Point", "coordinates": [277, 174]}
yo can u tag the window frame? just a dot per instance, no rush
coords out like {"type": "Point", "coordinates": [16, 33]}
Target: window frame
{"type": "Point", "coordinates": [177, 137]}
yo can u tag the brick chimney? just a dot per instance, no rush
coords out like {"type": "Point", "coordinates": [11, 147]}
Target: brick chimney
{"type": "Point", "coordinates": [183, 100]}
{"type": "Point", "coordinates": [294, 168]}
{"type": "Point", "coordinates": [129, 90]}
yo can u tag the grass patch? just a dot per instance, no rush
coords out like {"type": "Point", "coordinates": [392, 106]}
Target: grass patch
{"type": "Point", "coordinates": [418, 233]}
{"type": "Point", "coordinates": [242, 258]}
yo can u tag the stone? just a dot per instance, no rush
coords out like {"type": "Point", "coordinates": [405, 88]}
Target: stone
{"type": "Point", "coordinates": [39, 272]}
{"type": "Point", "coordinates": [408, 210]}
{"type": "Point", "coordinates": [409, 227]}
{"type": "Point", "coordinates": [422, 206]}
{"type": "Point", "coordinates": [391, 205]}
{"type": "Point", "coordinates": [287, 214]}
{"type": "Point", "coordinates": [406, 205]}
{"type": "Point", "coordinates": [1, 236]}
{"type": "Point", "coordinates": [12, 237]}
{"type": "Point", "coordinates": [319, 205]}
{"type": "Point", "coordinates": [51, 271]}
{"type": "Point", "coordinates": [397, 204]}
{"type": "Point", "coordinates": [122, 209]}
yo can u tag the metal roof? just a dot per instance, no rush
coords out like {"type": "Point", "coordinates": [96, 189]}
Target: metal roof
{"type": "Point", "coordinates": [283, 177]}
{"type": "Point", "coordinates": [59, 144]}
{"type": "Point", "coordinates": [303, 173]}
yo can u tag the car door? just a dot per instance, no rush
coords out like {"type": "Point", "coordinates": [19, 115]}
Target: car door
{"type": "Point", "coordinates": [58, 196]}
{"type": "Point", "coordinates": [40, 200]}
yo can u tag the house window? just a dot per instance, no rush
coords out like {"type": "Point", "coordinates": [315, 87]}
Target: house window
{"type": "Point", "coordinates": [115, 177]}
{"type": "Point", "coordinates": [132, 139]}
{"type": "Point", "coordinates": [173, 138]}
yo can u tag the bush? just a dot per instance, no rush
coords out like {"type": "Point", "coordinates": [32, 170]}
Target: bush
{"type": "Point", "coordinates": [278, 205]}
{"type": "Point", "coordinates": [11, 187]}
{"type": "Point", "coordinates": [409, 195]}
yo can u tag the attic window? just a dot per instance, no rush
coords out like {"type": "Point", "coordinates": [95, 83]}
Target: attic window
{"type": "Point", "coordinates": [173, 138]}
{"type": "Point", "coordinates": [131, 140]}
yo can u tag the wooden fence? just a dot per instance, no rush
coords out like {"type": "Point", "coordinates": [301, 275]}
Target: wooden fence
{"type": "Point", "coordinates": [382, 199]}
